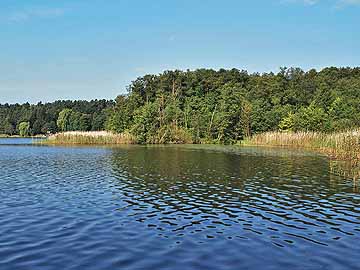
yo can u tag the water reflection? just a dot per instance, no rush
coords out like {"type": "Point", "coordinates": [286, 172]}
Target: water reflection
{"type": "Point", "coordinates": [345, 170]}
{"type": "Point", "coordinates": [242, 194]}
{"type": "Point", "coordinates": [176, 207]}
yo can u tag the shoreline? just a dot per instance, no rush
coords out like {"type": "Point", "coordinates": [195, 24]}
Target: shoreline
{"type": "Point", "coordinates": [338, 166]}
{"type": "Point", "coordinates": [347, 159]}
{"type": "Point", "coordinates": [344, 146]}
{"type": "Point", "coordinates": [340, 147]}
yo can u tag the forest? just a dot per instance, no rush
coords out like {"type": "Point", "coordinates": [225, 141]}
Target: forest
{"type": "Point", "coordinates": [205, 106]}
{"type": "Point", "coordinates": [226, 106]}
{"type": "Point", "coordinates": [29, 119]}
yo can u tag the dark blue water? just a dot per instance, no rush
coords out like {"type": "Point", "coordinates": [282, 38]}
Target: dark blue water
{"type": "Point", "coordinates": [175, 207]}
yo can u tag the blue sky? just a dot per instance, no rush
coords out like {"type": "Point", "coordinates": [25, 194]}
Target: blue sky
{"type": "Point", "coordinates": [93, 49]}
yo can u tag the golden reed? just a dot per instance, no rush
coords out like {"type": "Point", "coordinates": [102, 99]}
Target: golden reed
{"type": "Point", "coordinates": [90, 137]}
{"type": "Point", "coordinates": [338, 145]}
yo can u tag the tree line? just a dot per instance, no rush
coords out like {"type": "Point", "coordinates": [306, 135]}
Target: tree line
{"type": "Point", "coordinates": [34, 119]}
{"type": "Point", "coordinates": [205, 105]}
{"type": "Point", "coordinates": [225, 106]}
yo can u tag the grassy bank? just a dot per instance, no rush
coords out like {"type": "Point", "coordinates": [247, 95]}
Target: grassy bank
{"type": "Point", "coordinates": [340, 145]}
{"type": "Point", "coordinates": [343, 148]}
{"type": "Point", "coordinates": [87, 138]}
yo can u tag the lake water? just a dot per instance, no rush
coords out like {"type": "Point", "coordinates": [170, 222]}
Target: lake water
{"type": "Point", "coordinates": [174, 207]}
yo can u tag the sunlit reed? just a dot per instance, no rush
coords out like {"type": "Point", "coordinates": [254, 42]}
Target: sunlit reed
{"type": "Point", "coordinates": [91, 137]}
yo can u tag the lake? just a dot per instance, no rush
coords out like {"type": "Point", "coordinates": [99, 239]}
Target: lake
{"type": "Point", "coordinates": [174, 207]}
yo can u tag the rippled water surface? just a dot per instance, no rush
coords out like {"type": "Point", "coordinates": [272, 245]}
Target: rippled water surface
{"type": "Point", "coordinates": [174, 207]}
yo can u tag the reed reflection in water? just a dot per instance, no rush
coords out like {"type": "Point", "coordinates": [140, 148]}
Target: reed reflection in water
{"type": "Point", "coordinates": [174, 207]}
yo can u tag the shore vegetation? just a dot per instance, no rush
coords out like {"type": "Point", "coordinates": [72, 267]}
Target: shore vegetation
{"type": "Point", "coordinates": [337, 145]}
{"type": "Point", "coordinates": [88, 138]}
{"type": "Point", "coordinates": [293, 107]}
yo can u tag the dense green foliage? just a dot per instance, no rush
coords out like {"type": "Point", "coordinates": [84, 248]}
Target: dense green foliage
{"type": "Point", "coordinates": [225, 106]}
{"type": "Point", "coordinates": [42, 118]}
{"type": "Point", "coordinates": [205, 105]}
{"type": "Point", "coordinates": [70, 120]}
{"type": "Point", "coordinates": [24, 129]}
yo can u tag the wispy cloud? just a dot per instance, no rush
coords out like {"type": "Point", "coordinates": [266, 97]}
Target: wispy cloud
{"type": "Point", "coordinates": [336, 3]}
{"type": "Point", "coordinates": [342, 3]}
{"type": "Point", "coordinates": [310, 2]}
{"type": "Point", "coordinates": [33, 13]}
{"type": "Point", "coordinates": [305, 2]}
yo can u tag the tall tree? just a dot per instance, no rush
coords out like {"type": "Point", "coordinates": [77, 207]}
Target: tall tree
{"type": "Point", "coordinates": [24, 129]}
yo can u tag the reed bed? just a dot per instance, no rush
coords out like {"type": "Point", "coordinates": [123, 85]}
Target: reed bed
{"type": "Point", "coordinates": [339, 145]}
{"type": "Point", "coordinates": [90, 137]}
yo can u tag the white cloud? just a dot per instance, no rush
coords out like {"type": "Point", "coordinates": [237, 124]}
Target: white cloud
{"type": "Point", "coordinates": [336, 3]}
{"type": "Point", "coordinates": [348, 2]}
{"type": "Point", "coordinates": [172, 38]}
{"type": "Point", "coordinates": [28, 14]}
{"type": "Point", "coordinates": [310, 2]}
{"type": "Point", "coordinates": [305, 2]}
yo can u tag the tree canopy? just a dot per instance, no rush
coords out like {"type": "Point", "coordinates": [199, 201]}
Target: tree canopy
{"type": "Point", "coordinates": [42, 118]}
{"type": "Point", "coordinates": [24, 129]}
{"type": "Point", "coordinates": [226, 105]}
{"type": "Point", "coordinates": [219, 106]}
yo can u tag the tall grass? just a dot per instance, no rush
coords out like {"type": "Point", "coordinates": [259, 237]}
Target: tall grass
{"type": "Point", "coordinates": [91, 137]}
{"type": "Point", "coordinates": [339, 145]}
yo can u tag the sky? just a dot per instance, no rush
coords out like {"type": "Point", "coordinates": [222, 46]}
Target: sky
{"type": "Point", "coordinates": [93, 49]}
